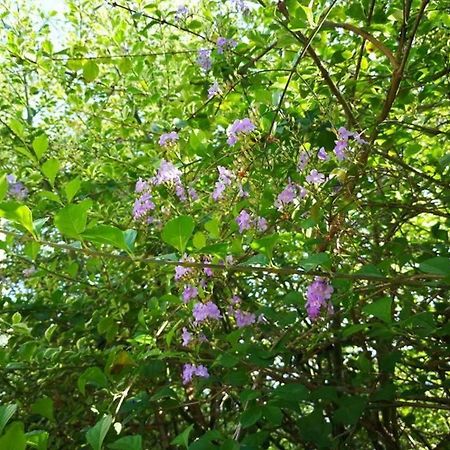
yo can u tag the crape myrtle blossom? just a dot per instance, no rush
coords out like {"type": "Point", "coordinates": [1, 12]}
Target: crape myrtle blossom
{"type": "Point", "coordinates": [168, 139]}
{"type": "Point", "coordinates": [239, 128]}
{"type": "Point", "coordinates": [16, 189]}
{"type": "Point", "coordinates": [224, 44]}
{"type": "Point", "coordinates": [204, 59]}
{"type": "Point", "coordinates": [318, 295]}
{"type": "Point", "coordinates": [315, 177]}
{"type": "Point", "coordinates": [191, 370]}
{"type": "Point", "coordinates": [204, 311]}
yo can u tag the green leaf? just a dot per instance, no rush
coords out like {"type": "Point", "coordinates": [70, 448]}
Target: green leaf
{"type": "Point", "coordinates": [313, 261]}
{"type": "Point", "coordinates": [6, 412]}
{"type": "Point", "coordinates": [437, 265]}
{"type": "Point", "coordinates": [3, 186]}
{"type": "Point", "coordinates": [183, 437]}
{"type": "Point", "coordinates": [177, 232]}
{"type": "Point", "coordinates": [93, 376]}
{"type": "Point", "coordinates": [40, 145]}
{"type": "Point", "coordinates": [250, 416]}
{"type": "Point", "coordinates": [71, 220]}
{"type": "Point", "coordinates": [350, 410]}
{"type": "Point", "coordinates": [199, 240]}
{"type": "Point", "coordinates": [106, 234]}
{"type": "Point", "coordinates": [96, 435]}
{"type": "Point", "coordinates": [292, 391]}
{"type": "Point", "coordinates": [14, 437]}
{"type": "Point", "coordinates": [43, 407]}
{"type": "Point", "coordinates": [50, 168]}
{"type": "Point", "coordinates": [265, 245]}
{"type": "Point", "coordinates": [17, 127]}
{"type": "Point", "coordinates": [37, 439]}
{"type": "Point", "coordinates": [90, 71]}
{"type": "Point", "coordinates": [71, 188]}
{"type": "Point", "coordinates": [127, 443]}
{"type": "Point", "coordinates": [17, 213]}
{"type": "Point", "coordinates": [381, 309]}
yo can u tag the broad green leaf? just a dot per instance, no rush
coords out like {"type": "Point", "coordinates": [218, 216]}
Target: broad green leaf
{"type": "Point", "coordinates": [90, 71]}
{"type": "Point", "coordinates": [313, 261]}
{"type": "Point", "coordinates": [183, 437]}
{"type": "Point", "coordinates": [250, 416]}
{"type": "Point", "coordinates": [17, 127]}
{"type": "Point", "coordinates": [71, 188]}
{"type": "Point", "coordinates": [37, 439]}
{"type": "Point", "coordinates": [265, 245]}
{"type": "Point", "coordinates": [96, 435]}
{"type": "Point", "coordinates": [177, 232]}
{"type": "Point", "coordinates": [199, 240]}
{"type": "Point", "coordinates": [50, 168]}
{"type": "Point", "coordinates": [40, 145]}
{"type": "Point", "coordinates": [17, 213]}
{"type": "Point", "coordinates": [438, 265]}
{"type": "Point", "coordinates": [381, 309]}
{"type": "Point", "coordinates": [127, 443]}
{"type": "Point", "coordinates": [106, 234]}
{"type": "Point", "coordinates": [43, 407]}
{"type": "Point", "coordinates": [71, 220]}
{"type": "Point", "coordinates": [6, 412]}
{"type": "Point", "coordinates": [350, 409]}
{"type": "Point", "coordinates": [93, 376]}
{"type": "Point", "coordinates": [14, 437]}
{"type": "Point", "coordinates": [292, 391]}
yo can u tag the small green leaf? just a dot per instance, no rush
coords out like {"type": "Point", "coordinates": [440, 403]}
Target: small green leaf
{"type": "Point", "coordinates": [43, 407]}
{"type": "Point", "coordinates": [40, 145]}
{"type": "Point", "coordinates": [93, 376]}
{"type": "Point", "coordinates": [14, 437]}
{"type": "Point", "coordinates": [381, 309]}
{"type": "Point", "coordinates": [17, 213]}
{"type": "Point", "coordinates": [292, 391]}
{"type": "Point", "coordinates": [6, 412]}
{"type": "Point", "coordinates": [96, 435]}
{"type": "Point", "coordinates": [199, 240]}
{"type": "Point", "coordinates": [17, 127]}
{"type": "Point", "coordinates": [183, 437]}
{"type": "Point", "coordinates": [313, 261]}
{"type": "Point", "coordinates": [265, 245]}
{"type": "Point", "coordinates": [3, 186]}
{"type": "Point", "coordinates": [177, 232]}
{"type": "Point", "coordinates": [71, 188]}
{"type": "Point", "coordinates": [71, 220]}
{"type": "Point", "coordinates": [90, 71]}
{"type": "Point", "coordinates": [127, 443]}
{"type": "Point", "coordinates": [37, 439]}
{"type": "Point", "coordinates": [50, 168]}
{"type": "Point", "coordinates": [250, 416]}
{"type": "Point", "coordinates": [106, 234]}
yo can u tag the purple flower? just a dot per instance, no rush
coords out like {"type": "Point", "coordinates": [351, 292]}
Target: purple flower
{"type": "Point", "coordinates": [303, 192]}
{"type": "Point", "coordinates": [242, 193]}
{"type": "Point", "coordinates": [167, 173]}
{"type": "Point", "coordinates": [188, 373]}
{"type": "Point", "coordinates": [180, 192]}
{"type": "Point", "coordinates": [239, 127]}
{"type": "Point", "coordinates": [322, 154]}
{"type": "Point", "coordinates": [204, 59]}
{"type": "Point", "coordinates": [344, 134]}
{"type": "Point", "coordinates": [189, 293]}
{"type": "Point", "coordinates": [213, 90]}
{"type": "Point", "coordinates": [142, 206]}
{"type": "Point", "coordinates": [181, 271]}
{"type": "Point", "coordinates": [192, 193]}
{"type": "Point", "coordinates": [244, 319]}
{"type": "Point", "coordinates": [219, 189]}
{"type": "Point", "coordinates": [186, 336]}
{"type": "Point", "coordinates": [202, 371]}
{"type": "Point", "coordinates": [181, 13]}
{"type": "Point", "coordinates": [244, 220]}
{"type": "Point", "coordinates": [240, 5]}
{"type": "Point", "coordinates": [235, 300]}
{"type": "Point", "coordinates": [261, 224]}
{"type": "Point", "coordinates": [224, 44]}
{"type": "Point", "coordinates": [207, 270]}
{"type": "Point", "coordinates": [339, 149]}
{"type": "Point", "coordinates": [203, 311]}
{"type": "Point", "coordinates": [141, 185]}
{"type": "Point", "coordinates": [303, 159]}
{"type": "Point", "coordinates": [318, 295]}
{"type": "Point", "coordinates": [168, 138]}
{"type": "Point", "coordinates": [16, 189]}
{"type": "Point", "coordinates": [226, 178]}
{"type": "Point", "coordinates": [286, 196]}
{"type": "Point", "coordinates": [359, 139]}
{"type": "Point", "coordinates": [315, 177]}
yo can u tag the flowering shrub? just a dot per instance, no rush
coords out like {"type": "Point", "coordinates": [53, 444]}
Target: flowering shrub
{"type": "Point", "coordinates": [223, 225]}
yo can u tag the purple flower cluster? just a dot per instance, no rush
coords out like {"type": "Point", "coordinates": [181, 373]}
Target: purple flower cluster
{"type": "Point", "coordinates": [244, 319]}
{"type": "Point", "coordinates": [318, 295]}
{"type": "Point", "coordinates": [225, 44]}
{"type": "Point", "coordinates": [181, 13]}
{"type": "Point", "coordinates": [189, 293]}
{"type": "Point", "coordinates": [168, 139]}
{"type": "Point", "coordinates": [303, 159]}
{"type": "Point", "coordinates": [191, 370]}
{"type": "Point", "coordinates": [289, 194]}
{"type": "Point", "coordinates": [238, 128]}
{"type": "Point", "coordinates": [204, 59]}
{"type": "Point", "coordinates": [16, 189]}
{"type": "Point", "coordinates": [226, 178]}
{"type": "Point", "coordinates": [204, 311]}
{"type": "Point", "coordinates": [245, 222]}
{"type": "Point", "coordinates": [240, 5]}
{"type": "Point", "coordinates": [181, 271]}
{"type": "Point", "coordinates": [315, 177]}
{"type": "Point", "coordinates": [342, 143]}
{"type": "Point", "coordinates": [142, 206]}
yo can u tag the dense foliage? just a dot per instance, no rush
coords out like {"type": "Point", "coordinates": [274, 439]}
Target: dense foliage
{"type": "Point", "coordinates": [224, 225]}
